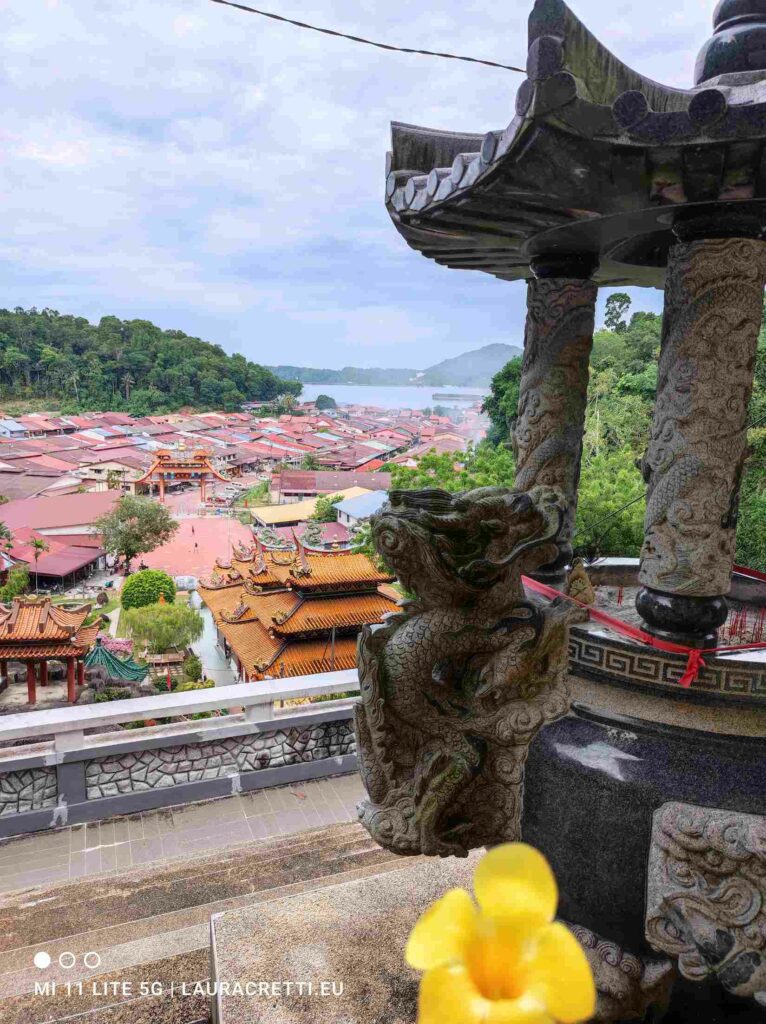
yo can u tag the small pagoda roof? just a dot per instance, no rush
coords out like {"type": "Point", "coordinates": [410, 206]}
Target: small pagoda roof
{"type": "Point", "coordinates": [36, 628]}
{"type": "Point", "coordinates": [598, 161]}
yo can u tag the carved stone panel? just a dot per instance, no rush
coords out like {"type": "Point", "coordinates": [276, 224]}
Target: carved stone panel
{"type": "Point", "coordinates": [547, 437]}
{"type": "Point", "coordinates": [706, 895]}
{"type": "Point", "coordinates": [693, 466]}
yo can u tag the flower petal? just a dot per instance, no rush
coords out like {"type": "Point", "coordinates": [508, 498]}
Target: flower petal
{"type": "Point", "coordinates": [443, 932]}
{"type": "Point", "coordinates": [449, 996]}
{"type": "Point", "coordinates": [559, 975]}
{"type": "Point", "coordinates": [516, 879]}
{"type": "Point", "coordinates": [525, 1010]}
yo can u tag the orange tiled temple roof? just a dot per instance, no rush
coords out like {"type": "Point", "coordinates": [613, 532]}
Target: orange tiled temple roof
{"type": "Point", "coordinates": [325, 613]}
{"type": "Point", "coordinates": [273, 632]}
{"type": "Point", "coordinates": [36, 628]}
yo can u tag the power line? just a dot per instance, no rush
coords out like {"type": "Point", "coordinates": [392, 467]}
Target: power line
{"type": "Point", "coordinates": [367, 42]}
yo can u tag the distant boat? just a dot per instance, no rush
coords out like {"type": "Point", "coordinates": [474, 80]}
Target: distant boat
{"type": "Point", "coordinates": [458, 397]}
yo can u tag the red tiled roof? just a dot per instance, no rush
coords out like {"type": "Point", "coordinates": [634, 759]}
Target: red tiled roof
{"type": "Point", "coordinates": [59, 511]}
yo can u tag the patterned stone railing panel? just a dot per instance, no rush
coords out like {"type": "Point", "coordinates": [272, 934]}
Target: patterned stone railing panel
{"type": "Point", "coordinates": [144, 770]}
{"type": "Point", "coordinates": [30, 790]}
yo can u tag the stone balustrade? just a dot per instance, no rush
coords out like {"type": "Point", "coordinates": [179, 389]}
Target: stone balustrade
{"type": "Point", "coordinates": [74, 764]}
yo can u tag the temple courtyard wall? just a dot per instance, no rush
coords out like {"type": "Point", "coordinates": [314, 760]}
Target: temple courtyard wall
{"type": "Point", "coordinates": [66, 774]}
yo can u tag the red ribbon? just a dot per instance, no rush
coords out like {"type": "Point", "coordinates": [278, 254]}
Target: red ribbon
{"type": "Point", "coordinates": [694, 660]}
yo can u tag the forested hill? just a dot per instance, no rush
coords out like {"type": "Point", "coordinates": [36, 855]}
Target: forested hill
{"type": "Point", "coordinates": [130, 365]}
{"type": "Point", "coordinates": [470, 369]}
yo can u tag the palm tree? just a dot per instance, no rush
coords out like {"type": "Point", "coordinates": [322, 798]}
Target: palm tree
{"type": "Point", "coordinates": [40, 547]}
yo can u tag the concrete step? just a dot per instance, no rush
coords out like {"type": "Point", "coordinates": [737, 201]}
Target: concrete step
{"type": "Point", "coordinates": [151, 924]}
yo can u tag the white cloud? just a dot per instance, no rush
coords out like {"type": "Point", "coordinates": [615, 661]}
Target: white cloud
{"type": "Point", "coordinates": [224, 174]}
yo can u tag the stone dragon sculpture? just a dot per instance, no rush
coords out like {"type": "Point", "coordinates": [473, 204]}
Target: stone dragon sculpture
{"type": "Point", "coordinates": [457, 683]}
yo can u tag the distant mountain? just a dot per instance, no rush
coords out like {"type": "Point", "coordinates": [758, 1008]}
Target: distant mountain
{"type": "Point", "coordinates": [471, 369]}
{"type": "Point", "coordinates": [348, 375]}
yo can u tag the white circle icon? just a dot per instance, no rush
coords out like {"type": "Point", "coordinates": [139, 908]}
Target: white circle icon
{"type": "Point", "coordinates": [92, 960]}
{"type": "Point", "coordinates": [42, 960]}
{"type": "Point", "coordinates": [67, 961]}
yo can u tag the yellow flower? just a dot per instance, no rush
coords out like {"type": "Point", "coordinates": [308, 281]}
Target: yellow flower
{"type": "Point", "coordinates": [506, 961]}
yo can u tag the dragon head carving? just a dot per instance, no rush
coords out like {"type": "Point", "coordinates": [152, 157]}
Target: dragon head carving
{"type": "Point", "coordinates": [451, 549]}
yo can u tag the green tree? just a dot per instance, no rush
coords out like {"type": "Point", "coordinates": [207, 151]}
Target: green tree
{"type": "Point", "coordinates": [482, 466]}
{"type": "Point", "coordinates": [502, 403]}
{"type": "Point", "coordinates": [16, 584]}
{"type": "Point", "coordinates": [617, 305]}
{"type": "Point", "coordinates": [135, 526]}
{"type": "Point", "coordinates": [123, 364]}
{"type": "Point", "coordinates": [324, 511]}
{"type": "Point", "coordinates": [145, 587]}
{"type": "Point", "coordinates": [39, 547]}
{"type": "Point", "coordinates": [310, 462]}
{"type": "Point", "coordinates": [162, 627]}
{"type": "Point", "coordinates": [362, 544]}
{"type": "Point", "coordinates": [325, 402]}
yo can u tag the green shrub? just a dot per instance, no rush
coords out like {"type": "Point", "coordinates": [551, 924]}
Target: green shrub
{"type": "Point", "coordinates": [192, 668]}
{"type": "Point", "coordinates": [145, 587]}
{"type": "Point", "coordinates": [111, 693]}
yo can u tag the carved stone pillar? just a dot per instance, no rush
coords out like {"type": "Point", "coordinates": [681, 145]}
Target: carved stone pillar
{"type": "Point", "coordinates": [693, 466]}
{"type": "Point", "coordinates": [547, 437]}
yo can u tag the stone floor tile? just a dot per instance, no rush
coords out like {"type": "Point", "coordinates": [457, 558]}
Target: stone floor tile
{"type": "Point", "coordinates": [146, 850]}
{"type": "Point", "coordinates": [93, 862]}
{"type": "Point", "coordinates": [122, 830]}
{"type": "Point", "coordinates": [313, 817]}
{"type": "Point", "coordinates": [151, 825]}
{"type": "Point", "coordinates": [136, 827]}
{"type": "Point", "coordinates": [259, 827]}
{"type": "Point", "coordinates": [279, 800]}
{"type": "Point", "coordinates": [291, 821]}
{"type": "Point", "coordinates": [255, 803]}
{"type": "Point", "coordinates": [92, 835]}
{"type": "Point", "coordinates": [164, 820]}
{"type": "Point", "coordinates": [39, 842]}
{"type": "Point", "coordinates": [76, 865]}
{"type": "Point", "coordinates": [115, 857]}
{"type": "Point", "coordinates": [106, 833]}
{"type": "Point", "coordinates": [29, 879]}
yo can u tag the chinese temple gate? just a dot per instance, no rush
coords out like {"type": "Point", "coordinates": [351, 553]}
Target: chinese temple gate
{"type": "Point", "coordinates": [182, 465]}
{"type": "Point", "coordinates": [35, 632]}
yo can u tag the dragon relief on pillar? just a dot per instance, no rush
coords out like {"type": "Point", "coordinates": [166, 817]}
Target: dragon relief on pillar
{"type": "Point", "coordinates": [693, 466]}
{"type": "Point", "coordinates": [547, 435]}
{"type": "Point", "coordinates": [706, 896]}
{"type": "Point", "coordinates": [457, 683]}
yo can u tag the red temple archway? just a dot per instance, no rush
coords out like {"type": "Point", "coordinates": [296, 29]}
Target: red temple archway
{"type": "Point", "coordinates": [168, 465]}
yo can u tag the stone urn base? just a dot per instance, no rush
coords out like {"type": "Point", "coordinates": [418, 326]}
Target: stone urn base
{"type": "Point", "coordinates": [652, 813]}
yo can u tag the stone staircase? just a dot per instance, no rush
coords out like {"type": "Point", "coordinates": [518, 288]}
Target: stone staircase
{"type": "Point", "coordinates": [150, 927]}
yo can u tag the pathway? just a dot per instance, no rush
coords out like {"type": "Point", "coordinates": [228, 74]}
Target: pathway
{"type": "Point", "coordinates": [117, 844]}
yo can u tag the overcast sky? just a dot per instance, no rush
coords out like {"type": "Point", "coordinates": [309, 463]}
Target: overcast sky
{"type": "Point", "coordinates": [222, 174]}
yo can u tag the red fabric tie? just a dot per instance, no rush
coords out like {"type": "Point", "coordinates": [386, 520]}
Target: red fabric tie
{"type": "Point", "coordinates": [694, 660]}
{"type": "Point", "coordinates": [694, 664]}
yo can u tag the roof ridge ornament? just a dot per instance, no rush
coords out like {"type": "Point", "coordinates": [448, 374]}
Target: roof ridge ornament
{"type": "Point", "coordinates": [738, 44]}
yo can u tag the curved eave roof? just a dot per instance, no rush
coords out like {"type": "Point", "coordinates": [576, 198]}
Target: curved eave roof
{"type": "Point", "coordinates": [595, 159]}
